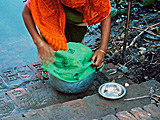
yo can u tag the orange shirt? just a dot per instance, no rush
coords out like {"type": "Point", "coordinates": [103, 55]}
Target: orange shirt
{"type": "Point", "coordinates": [49, 17]}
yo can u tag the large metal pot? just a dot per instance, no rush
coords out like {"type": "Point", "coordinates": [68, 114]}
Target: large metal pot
{"type": "Point", "coordinates": [70, 87]}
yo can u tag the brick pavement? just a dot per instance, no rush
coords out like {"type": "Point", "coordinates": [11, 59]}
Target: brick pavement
{"type": "Point", "coordinates": [23, 89]}
{"type": "Point", "coordinates": [26, 95]}
{"type": "Point", "coordinates": [97, 107]}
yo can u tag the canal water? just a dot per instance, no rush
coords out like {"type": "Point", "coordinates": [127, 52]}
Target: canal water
{"type": "Point", "coordinates": [16, 45]}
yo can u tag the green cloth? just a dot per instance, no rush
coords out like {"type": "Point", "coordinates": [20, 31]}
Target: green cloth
{"type": "Point", "coordinates": [73, 65]}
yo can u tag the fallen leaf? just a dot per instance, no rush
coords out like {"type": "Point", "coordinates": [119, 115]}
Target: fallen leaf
{"type": "Point", "coordinates": [116, 51]}
{"type": "Point", "coordinates": [120, 76]}
{"type": "Point", "coordinates": [113, 81]}
{"type": "Point", "coordinates": [142, 58]}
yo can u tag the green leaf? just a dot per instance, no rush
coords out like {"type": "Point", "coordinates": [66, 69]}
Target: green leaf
{"type": "Point", "coordinates": [113, 1]}
{"type": "Point", "coordinates": [114, 12]}
{"type": "Point", "coordinates": [122, 1]}
{"type": "Point", "coordinates": [148, 2]}
{"type": "Point", "coordinates": [158, 29]}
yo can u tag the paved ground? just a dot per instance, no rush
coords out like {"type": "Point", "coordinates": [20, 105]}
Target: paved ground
{"type": "Point", "coordinates": [24, 96]}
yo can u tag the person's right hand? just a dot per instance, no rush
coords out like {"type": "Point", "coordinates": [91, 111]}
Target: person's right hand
{"type": "Point", "coordinates": [45, 53]}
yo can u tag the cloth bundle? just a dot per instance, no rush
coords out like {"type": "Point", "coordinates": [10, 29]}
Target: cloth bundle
{"type": "Point", "coordinates": [73, 65]}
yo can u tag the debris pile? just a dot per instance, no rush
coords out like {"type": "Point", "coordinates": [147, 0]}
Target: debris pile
{"type": "Point", "coordinates": [142, 55]}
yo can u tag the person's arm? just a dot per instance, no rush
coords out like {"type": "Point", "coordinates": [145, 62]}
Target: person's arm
{"type": "Point", "coordinates": [99, 55]}
{"type": "Point", "coordinates": [29, 23]}
{"type": "Point", "coordinates": [45, 51]}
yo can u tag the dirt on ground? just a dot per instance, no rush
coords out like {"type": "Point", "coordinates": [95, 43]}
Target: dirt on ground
{"type": "Point", "coordinates": [141, 61]}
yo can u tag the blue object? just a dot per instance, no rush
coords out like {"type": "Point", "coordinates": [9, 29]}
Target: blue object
{"type": "Point", "coordinates": [71, 87]}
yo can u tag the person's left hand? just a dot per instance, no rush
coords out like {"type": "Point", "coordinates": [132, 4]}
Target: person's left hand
{"type": "Point", "coordinates": [98, 59]}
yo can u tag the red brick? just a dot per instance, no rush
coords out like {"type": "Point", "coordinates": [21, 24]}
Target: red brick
{"type": "Point", "coordinates": [140, 114]}
{"type": "Point", "coordinates": [124, 115]}
{"type": "Point", "coordinates": [13, 94]}
{"type": "Point", "coordinates": [13, 77]}
{"type": "Point", "coordinates": [36, 67]}
{"type": "Point", "coordinates": [110, 117]}
{"type": "Point", "coordinates": [98, 107]}
{"type": "Point", "coordinates": [153, 109]}
{"type": "Point", "coordinates": [25, 73]}
{"type": "Point", "coordinates": [42, 94]}
{"type": "Point", "coordinates": [22, 98]}
{"type": "Point", "coordinates": [9, 77]}
{"type": "Point", "coordinates": [38, 86]}
{"type": "Point", "coordinates": [56, 112]}
{"type": "Point", "coordinates": [6, 107]}
{"type": "Point", "coordinates": [77, 109]}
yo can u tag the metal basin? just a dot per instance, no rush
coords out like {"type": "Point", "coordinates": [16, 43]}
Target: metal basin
{"type": "Point", "coordinates": [71, 87]}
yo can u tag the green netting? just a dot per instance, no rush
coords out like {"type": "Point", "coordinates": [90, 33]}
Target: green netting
{"type": "Point", "coordinates": [73, 65]}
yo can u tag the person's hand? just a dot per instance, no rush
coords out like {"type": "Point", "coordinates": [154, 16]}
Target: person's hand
{"type": "Point", "coordinates": [45, 53]}
{"type": "Point", "coordinates": [98, 59]}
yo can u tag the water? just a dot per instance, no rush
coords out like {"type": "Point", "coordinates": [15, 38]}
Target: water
{"type": "Point", "coordinates": [16, 45]}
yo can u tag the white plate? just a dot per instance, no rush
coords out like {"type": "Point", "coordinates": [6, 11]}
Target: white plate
{"type": "Point", "coordinates": [112, 90]}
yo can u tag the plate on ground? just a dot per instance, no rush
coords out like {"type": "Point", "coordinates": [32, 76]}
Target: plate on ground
{"type": "Point", "coordinates": [112, 90]}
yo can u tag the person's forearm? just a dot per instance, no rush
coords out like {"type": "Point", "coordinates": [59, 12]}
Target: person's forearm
{"type": "Point", "coordinates": [29, 23]}
{"type": "Point", "coordinates": [105, 33]}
